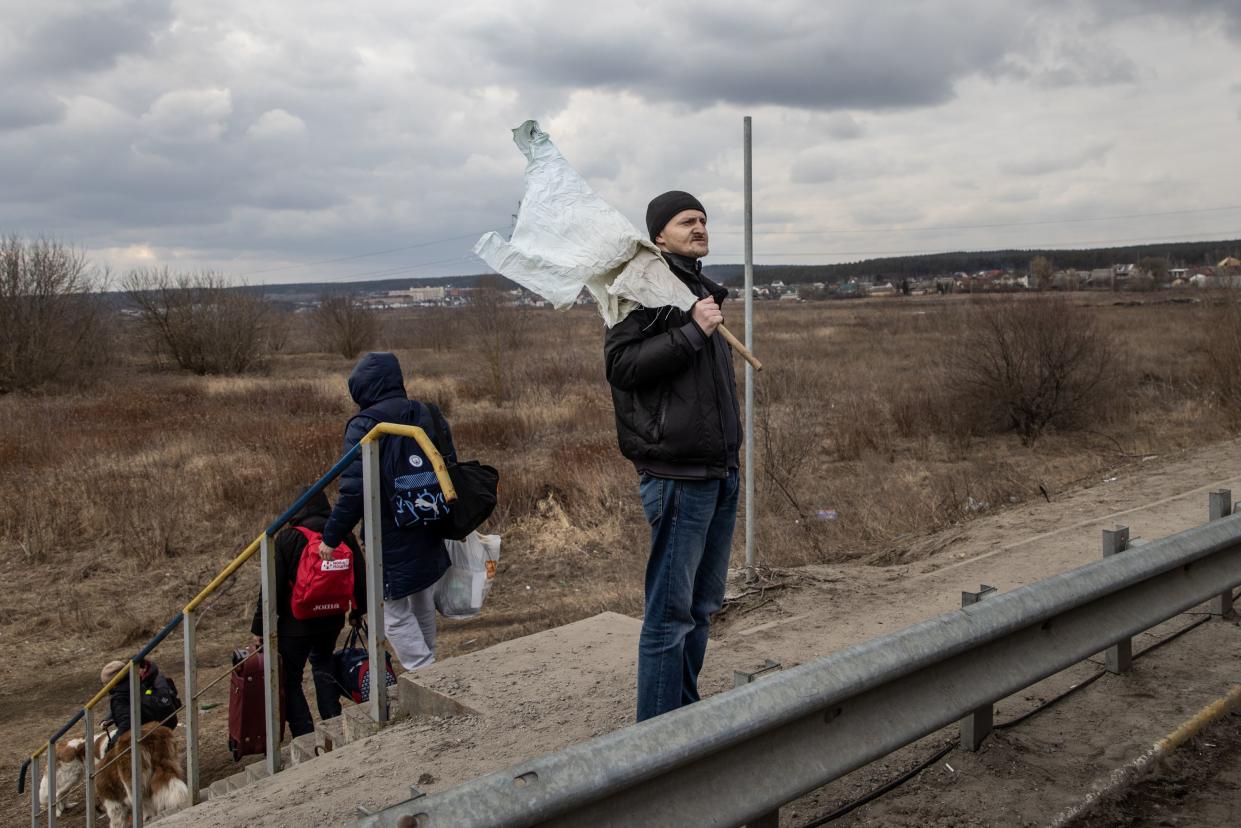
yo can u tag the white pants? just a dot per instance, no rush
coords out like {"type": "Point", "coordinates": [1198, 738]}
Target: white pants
{"type": "Point", "coordinates": [409, 624]}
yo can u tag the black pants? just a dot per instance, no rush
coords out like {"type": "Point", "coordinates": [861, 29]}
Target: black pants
{"type": "Point", "coordinates": [294, 651]}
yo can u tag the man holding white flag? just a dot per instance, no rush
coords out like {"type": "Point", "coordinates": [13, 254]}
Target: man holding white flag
{"type": "Point", "coordinates": [678, 421]}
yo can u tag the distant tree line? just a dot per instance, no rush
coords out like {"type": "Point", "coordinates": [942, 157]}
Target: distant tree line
{"type": "Point", "coordinates": [1180, 254]}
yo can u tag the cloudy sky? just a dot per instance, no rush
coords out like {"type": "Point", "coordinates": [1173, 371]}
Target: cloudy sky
{"type": "Point", "coordinates": [262, 139]}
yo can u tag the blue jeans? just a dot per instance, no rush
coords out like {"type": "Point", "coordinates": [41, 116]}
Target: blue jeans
{"type": "Point", "coordinates": [691, 537]}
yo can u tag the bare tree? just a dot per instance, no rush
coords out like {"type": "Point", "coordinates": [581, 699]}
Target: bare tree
{"type": "Point", "coordinates": [351, 326]}
{"type": "Point", "coordinates": [51, 321]}
{"type": "Point", "coordinates": [1026, 364]}
{"type": "Point", "coordinates": [1156, 270]}
{"type": "Point", "coordinates": [498, 327]}
{"type": "Point", "coordinates": [1041, 272]}
{"type": "Point", "coordinates": [204, 323]}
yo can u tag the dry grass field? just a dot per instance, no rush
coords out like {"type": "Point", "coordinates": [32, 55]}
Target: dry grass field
{"type": "Point", "coordinates": [121, 497]}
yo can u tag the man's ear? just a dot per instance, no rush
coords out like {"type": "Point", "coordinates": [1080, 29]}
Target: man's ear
{"type": "Point", "coordinates": [659, 240]}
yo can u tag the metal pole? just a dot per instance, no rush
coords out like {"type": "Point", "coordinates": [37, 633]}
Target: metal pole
{"type": "Point", "coordinates": [34, 792]}
{"type": "Point", "coordinates": [372, 516]}
{"type": "Point", "coordinates": [1119, 656]}
{"type": "Point", "coordinates": [271, 658]}
{"type": "Point", "coordinates": [191, 703]}
{"type": "Point", "coordinates": [88, 765]}
{"type": "Point", "coordinates": [51, 785]}
{"type": "Point", "coordinates": [749, 344]}
{"type": "Point", "coordinates": [978, 724]}
{"type": "Point", "coordinates": [1220, 506]}
{"type": "Point", "coordinates": [135, 734]}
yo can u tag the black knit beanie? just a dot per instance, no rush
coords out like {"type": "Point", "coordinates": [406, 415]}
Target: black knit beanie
{"type": "Point", "coordinates": [664, 207]}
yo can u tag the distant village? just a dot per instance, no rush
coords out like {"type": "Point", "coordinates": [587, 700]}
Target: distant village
{"type": "Point", "coordinates": [1120, 277]}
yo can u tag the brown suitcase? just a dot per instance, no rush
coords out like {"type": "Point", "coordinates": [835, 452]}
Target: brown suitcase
{"type": "Point", "coordinates": [247, 730]}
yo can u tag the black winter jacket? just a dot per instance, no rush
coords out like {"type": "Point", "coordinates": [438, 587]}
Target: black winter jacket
{"type": "Point", "coordinates": [414, 558]}
{"type": "Point", "coordinates": [159, 698]}
{"type": "Point", "coordinates": [289, 546]}
{"type": "Point", "coordinates": [673, 389]}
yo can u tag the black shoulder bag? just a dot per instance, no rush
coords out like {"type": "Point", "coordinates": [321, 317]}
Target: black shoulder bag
{"type": "Point", "coordinates": [476, 486]}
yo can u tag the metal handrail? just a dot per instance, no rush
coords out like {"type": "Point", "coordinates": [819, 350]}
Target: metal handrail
{"type": "Point", "coordinates": [367, 448]}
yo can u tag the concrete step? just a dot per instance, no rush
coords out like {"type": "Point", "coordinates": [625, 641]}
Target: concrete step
{"type": "Point", "coordinates": [302, 748]}
{"type": "Point", "coordinates": [217, 788]}
{"type": "Point", "coordinates": [256, 772]}
{"type": "Point", "coordinates": [353, 724]}
{"type": "Point", "coordinates": [329, 734]}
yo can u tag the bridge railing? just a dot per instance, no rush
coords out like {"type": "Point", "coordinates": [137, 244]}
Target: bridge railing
{"type": "Point", "coordinates": [737, 757]}
{"type": "Point", "coordinates": [187, 619]}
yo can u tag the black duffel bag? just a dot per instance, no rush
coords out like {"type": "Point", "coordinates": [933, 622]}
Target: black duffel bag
{"type": "Point", "coordinates": [476, 486]}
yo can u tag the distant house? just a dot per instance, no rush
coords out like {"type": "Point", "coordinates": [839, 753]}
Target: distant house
{"type": "Point", "coordinates": [426, 294]}
{"type": "Point", "coordinates": [1100, 277]}
{"type": "Point", "coordinates": [1066, 280]}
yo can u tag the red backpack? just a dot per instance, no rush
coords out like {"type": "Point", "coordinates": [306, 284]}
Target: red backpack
{"type": "Point", "coordinates": [320, 587]}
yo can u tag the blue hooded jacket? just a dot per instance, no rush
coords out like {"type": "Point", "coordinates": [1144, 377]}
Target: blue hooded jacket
{"type": "Point", "coordinates": [414, 558]}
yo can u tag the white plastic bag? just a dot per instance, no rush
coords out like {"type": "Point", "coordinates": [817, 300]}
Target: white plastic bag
{"type": "Point", "coordinates": [463, 588]}
{"type": "Point", "coordinates": [567, 238]}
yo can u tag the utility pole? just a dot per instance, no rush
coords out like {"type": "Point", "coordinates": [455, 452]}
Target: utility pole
{"type": "Point", "coordinates": [750, 575]}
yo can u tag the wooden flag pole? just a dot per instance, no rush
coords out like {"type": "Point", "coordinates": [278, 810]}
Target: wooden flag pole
{"type": "Point", "coordinates": [739, 348]}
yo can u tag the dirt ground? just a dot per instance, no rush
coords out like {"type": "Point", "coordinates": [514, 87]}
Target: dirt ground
{"type": "Point", "coordinates": [1022, 776]}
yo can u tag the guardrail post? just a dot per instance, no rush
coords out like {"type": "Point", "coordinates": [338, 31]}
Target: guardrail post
{"type": "Point", "coordinates": [192, 772]}
{"type": "Point", "coordinates": [34, 792]}
{"type": "Point", "coordinates": [88, 765]}
{"type": "Point", "coordinates": [135, 735]}
{"type": "Point", "coordinates": [1221, 507]}
{"type": "Point", "coordinates": [771, 819]}
{"type": "Point", "coordinates": [743, 677]}
{"type": "Point", "coordinates": [271, 657]}
{"type": "Point", "coordinates": [1120, 655]}
{"type": "Point", "coordinates": [977, 725]}
{"type": "Point", "coordinates": [372, 520]}
{"type": "Point", "coordinates": [51, 785]}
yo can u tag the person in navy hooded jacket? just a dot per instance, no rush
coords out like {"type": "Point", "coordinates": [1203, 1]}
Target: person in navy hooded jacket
{"type": "Point", "coordinates": [414, 558]}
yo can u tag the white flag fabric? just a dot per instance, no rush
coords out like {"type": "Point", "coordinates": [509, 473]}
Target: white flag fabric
{"type": "Point", "coordinates": [568, 238]}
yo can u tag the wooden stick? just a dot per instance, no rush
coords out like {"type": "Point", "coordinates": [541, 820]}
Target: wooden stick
{"type": "Point", "coordinates": [739, 348]}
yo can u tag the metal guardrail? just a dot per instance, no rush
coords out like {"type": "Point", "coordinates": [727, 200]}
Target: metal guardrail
{"type": "Point", "coordinates": [368, 448]}
{"type": "Point", "coordinates": [737, 757]}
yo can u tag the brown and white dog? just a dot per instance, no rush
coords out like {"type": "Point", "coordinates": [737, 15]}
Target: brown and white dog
{"type": "Point", "coordinates": [163, 778]}
{"type": "Point", "coordinates": [70, 765]}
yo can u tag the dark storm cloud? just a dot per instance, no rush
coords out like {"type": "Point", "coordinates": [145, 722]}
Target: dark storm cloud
{"type": "Point", "coordinates": [1223, 13]}
{"type": "Point", "coordinates": [829, 56]}
{"type": "Point", "coordinates": [65, 40]}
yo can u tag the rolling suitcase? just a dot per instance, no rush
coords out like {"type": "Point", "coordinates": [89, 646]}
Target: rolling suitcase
{"type": "Point", "coordinates": [247, 731]}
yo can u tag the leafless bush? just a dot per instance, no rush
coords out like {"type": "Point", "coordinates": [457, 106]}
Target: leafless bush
{"type": "Point", "coordinates": [51, 323]}
{"type": "Point", "coordinates": [1221, 343]}
{"type": "Point", "coordinates": [279, 329]}
{"type": "Point", "coordinates": [351, 326]}
{"type": "Point", "coordinates": [498, 328]}
{"type": "Point", "coordinates": [204, 323]}
{"type": "Point", "coordinates": [1025, 365]}
{"type": "Point", "coordinates": [434, 328]}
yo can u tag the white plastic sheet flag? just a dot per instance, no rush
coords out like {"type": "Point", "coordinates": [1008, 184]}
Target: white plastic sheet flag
{"type": "Point", "coordinates": [568, 238]}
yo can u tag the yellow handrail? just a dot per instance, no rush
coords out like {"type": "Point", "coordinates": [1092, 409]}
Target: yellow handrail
{"type": "Point", "coordinates": [424, 442]}
{"type": "Point", "coordinates": [225, 573]}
